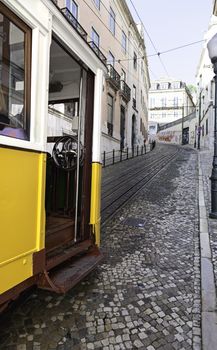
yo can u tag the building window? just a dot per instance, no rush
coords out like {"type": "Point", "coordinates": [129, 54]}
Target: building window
{"type": "Point", "coordinates": [207, 129]}
{"type": "Point", "coordinates": [164, 86]}
{"type": "Point", "coordinates": [123, 75]}
{"type": "Point", "coordinates": [152, 102]}
{"type": "Point", "coordinates": [15, 58]}
{"type": "Point", "coordinates": [110, 116]}
{"type": "Point", "coordinates": [72, 7]}
{"type": "Point", "coordinates": [112, 21]}
{"type": "Point", "coordinates": [111, 59]}
{"type": "Point", "coordinates": [175, 101]}
{"type": "Point", "coordinates": [135, 60]}
{"type": "Point", "coordinates": [176, 85]}
{"type": "Point", "coordinates": [212, 89]}
{"type": "Point", "coordinates": [163, 102]}
{"type": "Point", "coordinates": [134, 96]}
{"type": "Point", "coordinates": [95, 37]}
{"type": "Point", "coordinates": [124, 42]}
{"type": "Point", "coordinates": [97, 3]}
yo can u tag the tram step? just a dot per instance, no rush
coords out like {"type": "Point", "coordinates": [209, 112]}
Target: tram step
{"type": "Point", "coordinates": [59, 255]}
{"type": "Point", "coordinates": [67, 275]}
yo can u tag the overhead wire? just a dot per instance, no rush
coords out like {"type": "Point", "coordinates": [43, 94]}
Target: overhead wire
{"type": "Point", "coordinates": [143, 56]}
{"type": "Point", "coordinates": [162, 63]}
{"type": "Point", "coordinates": [176, 48]}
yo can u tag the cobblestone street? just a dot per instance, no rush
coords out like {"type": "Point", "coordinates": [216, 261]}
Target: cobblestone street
{"type": "Point", "coordinates": [146, 293]}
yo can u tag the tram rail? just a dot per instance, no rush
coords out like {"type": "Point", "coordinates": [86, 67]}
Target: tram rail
{"type": "Point", "coordinates": [118, 190]}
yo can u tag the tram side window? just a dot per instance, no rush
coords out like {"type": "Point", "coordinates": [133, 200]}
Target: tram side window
{"type": "Point", "coordinates": [15, 39]}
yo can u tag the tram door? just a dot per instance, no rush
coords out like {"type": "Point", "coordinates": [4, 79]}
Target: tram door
{"type": "Point", "coordinates": [67, 178]}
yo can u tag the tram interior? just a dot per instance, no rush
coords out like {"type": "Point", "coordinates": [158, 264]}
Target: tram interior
{"type": "Point", "coordinates": [65, 118]}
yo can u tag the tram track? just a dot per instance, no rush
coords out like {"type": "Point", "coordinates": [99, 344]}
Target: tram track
{"type": "Point", "coordinates": [117, 192]}
{"type": "Point", "coordinates": [107, 188]}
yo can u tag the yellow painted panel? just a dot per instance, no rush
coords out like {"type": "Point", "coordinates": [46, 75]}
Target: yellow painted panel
{"type": "Point", "coordinates": [96, 200]}
{"type": "Point", "coordinates": [22, 213]}
{"type": "Point", "coordinates": [15, 272]}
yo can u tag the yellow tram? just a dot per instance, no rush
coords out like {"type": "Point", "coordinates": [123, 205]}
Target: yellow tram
{"type": "Point", "coordinates": [51, 84]}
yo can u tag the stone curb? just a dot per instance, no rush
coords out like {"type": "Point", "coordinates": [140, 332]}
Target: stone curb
{"type": "Point", "coordinates": [208, 292]}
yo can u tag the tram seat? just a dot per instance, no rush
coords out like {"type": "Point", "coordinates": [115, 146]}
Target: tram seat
{"type": "Point", "coordinates": [17, 133]}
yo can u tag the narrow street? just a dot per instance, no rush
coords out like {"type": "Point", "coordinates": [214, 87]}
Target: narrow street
{"type": "Point", "coordinates": [146, 293]}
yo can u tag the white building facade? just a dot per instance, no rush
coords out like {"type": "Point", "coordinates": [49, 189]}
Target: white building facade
{"type": "Point", "coordinates": [116, 38]}
{"type": "Point", "coordinates": [206, 93]}
{"type": "Point", "coordinates": [169, 100]}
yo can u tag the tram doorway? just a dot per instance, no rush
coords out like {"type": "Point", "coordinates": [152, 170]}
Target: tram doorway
{"type": "Point", "coordinates": [69, 141]}
{"type": "Point", "coordinates": [185, 136]}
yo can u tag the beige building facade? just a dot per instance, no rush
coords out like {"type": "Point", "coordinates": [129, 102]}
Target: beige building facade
{"type": "Point", "coordinates": [119, 42]}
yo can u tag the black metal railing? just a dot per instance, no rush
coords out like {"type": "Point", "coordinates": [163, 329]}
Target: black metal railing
{"type": "Point", "coordinates": [125, 90]}
{"type": "Point", "coordinates": [74, 22]}
{"type": "Point", "coordinates": [116, 156]}
{"type": "Point", "coordinates": [113, 76]}
{"type": "Point", "coordinates": [97, 51]}
{"type": "Point", "coordinates": [110, 129]}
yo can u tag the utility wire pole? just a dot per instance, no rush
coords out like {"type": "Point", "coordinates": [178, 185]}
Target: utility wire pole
{"type": "Point", "coordinates": [182, 124]}
{"type": "Point", "coordinates": [199, 122]}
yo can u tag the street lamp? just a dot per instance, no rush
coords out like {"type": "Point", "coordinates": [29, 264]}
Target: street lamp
{"type": "Point", "coordinates": [212, 49]}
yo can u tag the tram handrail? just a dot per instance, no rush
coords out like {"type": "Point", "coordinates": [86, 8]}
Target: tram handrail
{"type": "Point", "coordinates": [117, 156]}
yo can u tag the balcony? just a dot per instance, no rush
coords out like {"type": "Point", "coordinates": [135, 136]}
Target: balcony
{"type": "Point", "coordinates": [125, 91]}
{"type": "Point", "coordinates": [73, 21]}
{"type": "Point", "coordinates": [97, 51]}
{"type": "Point", "coordinates": [113, 77]}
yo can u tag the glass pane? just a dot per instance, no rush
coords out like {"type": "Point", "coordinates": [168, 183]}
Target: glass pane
{"type": "Point", "coordinates": [12, 80]}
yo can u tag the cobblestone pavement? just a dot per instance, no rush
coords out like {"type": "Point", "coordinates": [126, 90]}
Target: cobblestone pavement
{"type": "Point", "coordinates": [146, 293]}
{"type": "Point", "coordinates": [206, 158]}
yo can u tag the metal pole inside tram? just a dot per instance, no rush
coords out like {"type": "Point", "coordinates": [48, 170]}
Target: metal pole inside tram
{"type": "Point", "coordinates": [78, 156]}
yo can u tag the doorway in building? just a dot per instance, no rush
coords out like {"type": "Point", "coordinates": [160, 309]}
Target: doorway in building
{"type": "Point", "coordinates": [185, 136]}
{"type": "Point", "coordinates": [122, 128]}
{"type": "Point", "coordinates": [133, 135]}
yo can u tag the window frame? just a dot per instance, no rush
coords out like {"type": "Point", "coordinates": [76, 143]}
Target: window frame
{"type": "Point", "coordinates": [110, 123]}
{"type": "Point", "coordinates": [69, 4]}
{"type": "Point", "coordinates": [134, 92]}
{"type": "Point", "coordinates": [94, 33]}
{"type": "Point", "coordinates": [135, 60]}
{"type": "Point", "coordinates": [97, 4]}
{"type": "Point", "coordinates": [112, 21]}
{"type": "Point", "coordinates": [112, 61]}
{"type": "Point", "coordinates": [12, 17]}
{"type": "Point", "coordinates": [123, 75]}
{"type": "Point", "coordinates": [124, 42]}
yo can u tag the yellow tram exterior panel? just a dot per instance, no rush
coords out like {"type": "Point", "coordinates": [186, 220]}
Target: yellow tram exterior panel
{"type": "Point", "coordinates": [96, 200]}
{"type": "Point", "coordinates": [22, 215]}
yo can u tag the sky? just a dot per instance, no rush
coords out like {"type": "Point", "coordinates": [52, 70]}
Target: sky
{"type": "Point", "coordinates": [173, 23]}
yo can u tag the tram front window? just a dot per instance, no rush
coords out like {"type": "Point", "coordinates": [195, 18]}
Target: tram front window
{"type": "Point", "coordinates": [15, 39]}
